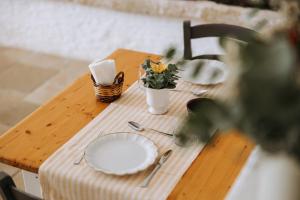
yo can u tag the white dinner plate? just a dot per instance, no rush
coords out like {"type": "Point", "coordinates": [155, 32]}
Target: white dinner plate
{"type": "Point", "coordinates": [204, 77]}
{"type": "Point", "coordinates": [121, 153]}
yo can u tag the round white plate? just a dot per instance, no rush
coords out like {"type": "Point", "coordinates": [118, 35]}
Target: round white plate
{"type": "Point", "coordinates": [121, 153]}
{"type": "Point", "coordinates": [205, 74]}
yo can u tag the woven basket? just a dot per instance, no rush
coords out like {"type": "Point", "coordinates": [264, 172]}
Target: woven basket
{"type": "Point", "coordinates": [109, 93]}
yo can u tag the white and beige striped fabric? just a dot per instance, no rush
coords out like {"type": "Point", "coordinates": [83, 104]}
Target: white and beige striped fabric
{"type": "Point", "coordinates": [61, 180]}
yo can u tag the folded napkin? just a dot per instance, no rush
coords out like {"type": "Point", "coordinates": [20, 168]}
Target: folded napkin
{"type": "Point", "coordinates": [104, 72]}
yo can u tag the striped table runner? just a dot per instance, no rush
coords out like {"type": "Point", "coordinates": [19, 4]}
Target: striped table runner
{"type": "Point", "coordinates": [61, 180]}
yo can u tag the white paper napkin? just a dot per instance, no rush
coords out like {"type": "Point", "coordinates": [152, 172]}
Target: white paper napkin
{"type": "Point", "coordinates": [104, 71]}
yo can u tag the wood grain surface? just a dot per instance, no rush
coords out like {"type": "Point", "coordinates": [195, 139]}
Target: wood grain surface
{"type": "Point", "coordinates": [34, 139]}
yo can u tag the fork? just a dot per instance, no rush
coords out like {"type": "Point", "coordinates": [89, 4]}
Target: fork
{"type": "Point", "coordinates": [79, 159]}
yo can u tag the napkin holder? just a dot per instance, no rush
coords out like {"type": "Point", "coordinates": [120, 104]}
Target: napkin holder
{"type": "Point", "coordinates": [109, 93]}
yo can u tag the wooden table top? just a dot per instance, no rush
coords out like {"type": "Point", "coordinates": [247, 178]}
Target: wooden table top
{"type": "Point", "coordinates": [34, 139]}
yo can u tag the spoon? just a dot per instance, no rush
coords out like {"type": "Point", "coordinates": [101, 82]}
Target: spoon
{"type": "Point", "coordinates": [194, 92]}
{"type": "Point", "coordinates": [138, 127]}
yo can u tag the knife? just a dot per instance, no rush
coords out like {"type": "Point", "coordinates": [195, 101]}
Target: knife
{"type": "Point", "coordinates": [161, 161]}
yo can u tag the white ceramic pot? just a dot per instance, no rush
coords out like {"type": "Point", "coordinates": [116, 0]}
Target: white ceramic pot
{"type": "Point", "coordinates": [157, 100]}
{"type": "Point", "coordinates": [279, 178]}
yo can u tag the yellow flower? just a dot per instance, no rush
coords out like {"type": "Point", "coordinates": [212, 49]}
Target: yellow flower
{"type": "Point", "coordinates": [158, 67]}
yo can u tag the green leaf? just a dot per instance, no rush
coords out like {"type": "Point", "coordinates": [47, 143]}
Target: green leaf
{"type": "Point", "coordinates": [216, 73]}
{"type": "Point", "coordinates": [170, 53]}
{"type": "Point", "coordinates": [197, 69]}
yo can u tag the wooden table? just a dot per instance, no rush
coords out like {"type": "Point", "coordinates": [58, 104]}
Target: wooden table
{"type": "Point", "coordinates": [33, 140]}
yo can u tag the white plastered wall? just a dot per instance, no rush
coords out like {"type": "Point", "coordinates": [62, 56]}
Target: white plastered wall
{"type": "Point", "coordinates": [87, 32]}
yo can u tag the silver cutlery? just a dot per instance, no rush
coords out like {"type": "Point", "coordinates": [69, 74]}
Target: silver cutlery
{"type": "Point", "coordinates": [161, 161]}
{"type": "Point", "coordinates": [194, 92]}
{"type": "Point", "coordinates": [138, 127]}
{"type": "Point", "coordinates": [80, 158]}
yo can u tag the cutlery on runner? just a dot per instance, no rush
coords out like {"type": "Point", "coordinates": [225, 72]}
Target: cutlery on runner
{"type": "Point", "coordinates": [197, 93]}
{"type": "Point", "coordinates": [80, 158]}
{"type": "Point", "coordinates": [138, 127]}
{"type": "Point", "coordinates": [161, 161]}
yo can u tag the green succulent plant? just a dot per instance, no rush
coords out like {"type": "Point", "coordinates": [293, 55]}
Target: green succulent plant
{"type": "Point", "coordinates": [159, 75]}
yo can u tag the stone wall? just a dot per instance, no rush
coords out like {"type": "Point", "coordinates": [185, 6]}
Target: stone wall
{"type": "Point", "coordinates": [90, 29]}
{"type": "Point", "coordinates": [207, 11]}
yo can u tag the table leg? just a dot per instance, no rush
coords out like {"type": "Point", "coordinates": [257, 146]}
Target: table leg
{"type": "Point", "coordinates": [32, 183]}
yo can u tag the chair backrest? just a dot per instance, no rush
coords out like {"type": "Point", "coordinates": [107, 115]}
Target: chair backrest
{"type": "Point", "coordinates": [8, 190]}
{"type": "Point", "coordinates": [212, 30]}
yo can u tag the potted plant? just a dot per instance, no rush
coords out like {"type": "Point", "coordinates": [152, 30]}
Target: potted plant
{"type": "Point", "coordinates": [159, 78]}
{"type": "Point", "coordinates": [264, 104]}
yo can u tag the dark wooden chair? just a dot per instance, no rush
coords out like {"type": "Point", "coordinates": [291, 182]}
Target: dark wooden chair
{"type": "Point", "coordinates": [8, 190]}
{"type": "Point", "coordinates": [212, 30]}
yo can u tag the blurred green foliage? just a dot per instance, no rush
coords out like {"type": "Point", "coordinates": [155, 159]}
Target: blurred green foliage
{"type": "Point", "coordinates": [267, 104]}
